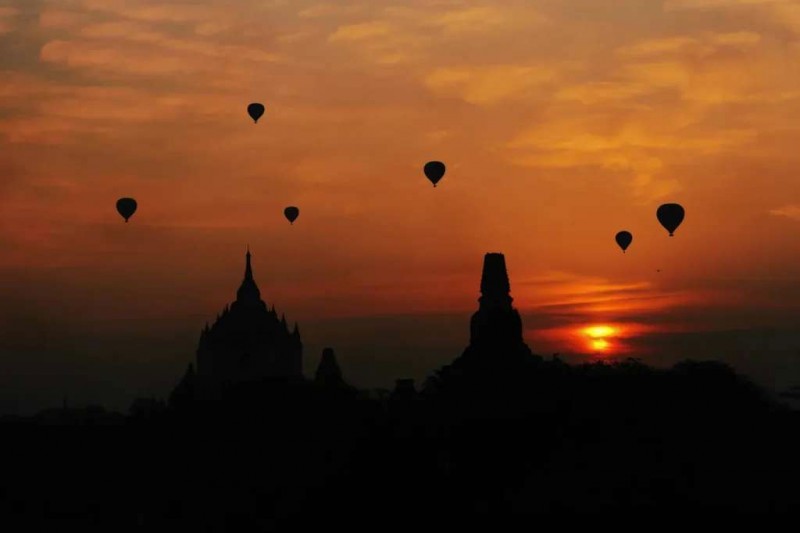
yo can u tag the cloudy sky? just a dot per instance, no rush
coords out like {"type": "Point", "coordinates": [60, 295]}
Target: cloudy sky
{"type": "Point", "coordinates": [561, 122]}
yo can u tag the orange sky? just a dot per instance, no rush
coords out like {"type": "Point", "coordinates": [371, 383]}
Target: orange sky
{"type": "Point", "coordinates": [561, 122]}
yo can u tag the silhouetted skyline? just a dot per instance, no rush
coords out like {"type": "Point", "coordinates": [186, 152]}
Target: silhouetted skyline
{"type": "Point", "coordinates": [497, 434]}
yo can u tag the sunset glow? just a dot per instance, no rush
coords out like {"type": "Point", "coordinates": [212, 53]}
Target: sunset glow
{"type": "Point", "coordinates": [599, 336]}
{"type": "Point", "coordinates": [600, 332]}
{"type": "Point", "coordinates": [600, 345]}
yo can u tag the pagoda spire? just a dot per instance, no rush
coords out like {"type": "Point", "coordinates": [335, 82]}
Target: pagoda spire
{"type": "Point", "coordinates": [248, 291]}
{"type": "Point", "coordinates": [248, 270]}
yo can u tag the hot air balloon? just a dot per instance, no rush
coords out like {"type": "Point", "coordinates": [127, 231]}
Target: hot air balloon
{"type": "Point", "coordinates": [670, 216]}
{"type": "Point", "coordinates": [434, 170]}
{"type": "Point", "coordinates": [624, 239]}
{"type": "Point", "coordinates": [126, 207]}
{"type": "Point", "coordinates": [256, 111]}
{"type": "Point", "coordinates": [291, 213]}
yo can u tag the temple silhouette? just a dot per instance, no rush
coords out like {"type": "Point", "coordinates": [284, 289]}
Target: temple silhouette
{"type": "Point", "coordinates": [247, 342]}
{"type": "Point", "coordinates": [496, 349]}
{"type": "Point", "coordinates": [496, 326]}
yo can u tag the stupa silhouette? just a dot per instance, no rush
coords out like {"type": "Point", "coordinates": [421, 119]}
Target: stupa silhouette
{"type": "Point", "coordinates": [496, 327]}
{"type": "Point", "coordinates": [496, 349]}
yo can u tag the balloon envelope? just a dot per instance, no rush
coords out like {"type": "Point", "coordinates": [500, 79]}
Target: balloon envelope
{"type": "Point", "coordinates": [291, 213]}
{"type": "Point", "coordinates": [624, 239]}
{"type": "Point", "coordinates": [434, 170]}
{"type": "Point", "coordinates": [126, 207]}
{"type": "Point", "coordinates": [256, 111]}
{"type": "Point", "coordinates": [670, 216]}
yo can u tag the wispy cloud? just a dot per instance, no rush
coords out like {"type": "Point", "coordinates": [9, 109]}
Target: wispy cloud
{"type": "Point", "coordinates": [687, 46]}
{"type": "Point", "coordinates": [588, 296]}
{"type": "Point", "coordinates": [478, 19]}
{"type": "Point", "coordinates": [488, 85]}
{"type": "Point", "coordinates": [361, 31]}
{"type": "Point", "coordinates": [673, 5]}
{"type": "Point", "coordinates": [788, 211]}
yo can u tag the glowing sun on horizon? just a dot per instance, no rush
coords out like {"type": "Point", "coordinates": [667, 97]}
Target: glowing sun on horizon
{"type": "Point", "coordinates": [598, 337]}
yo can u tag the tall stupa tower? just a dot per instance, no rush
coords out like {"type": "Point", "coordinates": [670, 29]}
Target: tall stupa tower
{"type": "Point", "coordinates": [497, 354]}
{"type": "Point", "coordinates": [496, 326]}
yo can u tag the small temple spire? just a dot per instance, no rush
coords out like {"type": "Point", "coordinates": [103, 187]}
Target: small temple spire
{"type": "Point", "coordinates": [248, 291]}
{"type": "Point", "coordinates": [248, 270]}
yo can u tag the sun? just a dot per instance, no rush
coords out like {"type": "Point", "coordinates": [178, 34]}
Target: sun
{"type": "Point", "coordinates": [600, 345]}
{"type": "Point", "coordinates": [599, 332]}
{"type": "Point", "coordinates": [599, 337]}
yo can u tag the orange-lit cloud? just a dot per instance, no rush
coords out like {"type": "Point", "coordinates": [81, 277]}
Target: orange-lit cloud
{"type": "Point", "coordinates": [488, 84]}
{"type": "Point", "coordinates": [361, 31]}
{"type": "Point", "coordinates": [705, 4]}
{"type": "Point", "coordinates": [789, 211]}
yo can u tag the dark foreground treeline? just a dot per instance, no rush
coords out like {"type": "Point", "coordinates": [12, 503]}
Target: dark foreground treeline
{"type": "Point", "coordinates": [544, 437]}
